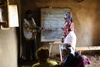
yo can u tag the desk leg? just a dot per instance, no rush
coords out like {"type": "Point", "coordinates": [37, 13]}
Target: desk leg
{"type": "Point", "coordinates": [60, 53]}
{"type": "Point", "coordinates": [80, 52]}
{"type": "Point", "coordinates": [50, 50]}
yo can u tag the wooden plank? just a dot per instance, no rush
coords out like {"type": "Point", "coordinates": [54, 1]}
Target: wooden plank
{"type": "Point", "coordinates": [92, 48]}
{"type": "Point", "coordinates": [98, 47]}
{"type": "Point", "coordinates": [56, 43]}
{"type": "Point", "coordinates": [82, 48]}
{"type": "Point", "coordinates": [88, 48]}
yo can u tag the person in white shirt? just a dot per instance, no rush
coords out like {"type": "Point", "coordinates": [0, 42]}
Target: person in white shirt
{"type": "Point", "coordinates": [70, 39]}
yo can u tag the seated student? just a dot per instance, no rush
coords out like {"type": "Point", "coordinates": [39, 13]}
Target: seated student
{"type": "Point", "coordinates": [69, 58]}
{"type": "Point", "coordinates": [75, 60]}
{"type": "Point", "coordinates": [66, 49]}
{"type": "Point", "coordinates": [42, 55]}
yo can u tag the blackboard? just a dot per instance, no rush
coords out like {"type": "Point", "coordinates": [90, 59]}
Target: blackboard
{"type": "Point", "coordinates": [53, 20]}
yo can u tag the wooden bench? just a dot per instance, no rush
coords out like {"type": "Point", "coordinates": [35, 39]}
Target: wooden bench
{"type": "Point", "coordinates": [80, 49]}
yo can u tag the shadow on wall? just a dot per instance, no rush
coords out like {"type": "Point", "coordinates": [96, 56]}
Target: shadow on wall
{"type": "Point", "coordinates": [96, 25]}
{"type": "Point", "coordinates": [77, 26]}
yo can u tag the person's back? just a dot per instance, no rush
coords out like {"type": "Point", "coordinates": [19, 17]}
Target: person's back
{"type": "Point", "coordinates": [49, 63]}
{"type": "Point", "coordinates": [42, 55]}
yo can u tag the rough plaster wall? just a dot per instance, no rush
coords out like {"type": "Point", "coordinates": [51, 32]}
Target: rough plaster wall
{"type": "Point", "coordinates": [8, 48]}
{"type": "Point", "coordinates": [85, 15]}
{"type": "Point", "coordinates": [8, 45]}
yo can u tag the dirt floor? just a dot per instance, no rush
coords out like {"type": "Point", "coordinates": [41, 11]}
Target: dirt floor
{"type": "Point", "coordinates": [93, 56]}
{"type": "Point", "coordinates": [95, 60]}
